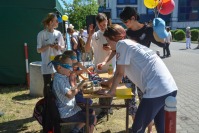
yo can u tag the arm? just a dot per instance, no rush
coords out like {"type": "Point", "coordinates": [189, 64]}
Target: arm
{"type": "Point", "coordinates": [72, 93]}
{"type": "Point", "coordinates": [43, 48]}
{"type": "Point", "coordinates": [84, 69]}
{"type": "Point", "coordinates": [74, 42]}
{"type": "Point", "coordinates": [88, 42]}
{"type": "Point", "coordinates": [117, 78]}
{"type": "Point", "coordinates": [107, 59]}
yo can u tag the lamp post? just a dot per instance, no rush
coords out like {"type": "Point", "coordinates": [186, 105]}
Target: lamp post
{"type": "Point", "coordinates": [68, 44]}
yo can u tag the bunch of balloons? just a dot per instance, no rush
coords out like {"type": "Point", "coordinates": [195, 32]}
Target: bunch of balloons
{"type": "Point", "coordinates": [164, 7]}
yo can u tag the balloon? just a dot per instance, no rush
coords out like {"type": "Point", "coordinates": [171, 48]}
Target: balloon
{"type": "Point", "coordinates": [166, 8]}
{"type": "Point", "coordinates": [157, 38]}
{"type": "Point", "coordinates": [151, 3]}
{"type": "Point", "coordinates": [59, 19]}
{"type": "Point", "coordinates": [65, 17]}
{"type": "Point", "coordinates": [165, 1]}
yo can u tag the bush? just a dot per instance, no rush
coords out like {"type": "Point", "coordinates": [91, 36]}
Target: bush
{"type": "Point", "coordinates": [194, 34]}
{"type": "Point", "coordinates": [179, 35]}
{"type": "Point", "coordinates": [172, 33]}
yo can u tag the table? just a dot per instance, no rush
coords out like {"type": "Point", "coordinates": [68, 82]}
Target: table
{"type": "Point", "coordinates": [126, 105]}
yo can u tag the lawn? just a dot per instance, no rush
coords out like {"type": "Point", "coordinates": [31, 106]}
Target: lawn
{"type": "Point", "coordinates": [17, 105]}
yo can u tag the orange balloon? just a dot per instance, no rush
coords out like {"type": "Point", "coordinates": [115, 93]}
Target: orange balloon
{"type": "Point", "coordinates": [164, 1]}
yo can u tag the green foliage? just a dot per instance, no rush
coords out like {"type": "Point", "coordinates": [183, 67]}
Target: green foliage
{"type": "Point", "coordinates": [179, 35]}
{"type": "Point", "coordinates": [78, 10]}
{"type": "Point", "coordinates": [194, 34]}
{"type": "Point", "coordinates": [172, 33]}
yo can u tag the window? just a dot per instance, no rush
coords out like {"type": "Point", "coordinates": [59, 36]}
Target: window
{"type": "Point", "coordinates": [188, 10]}
{"type": "Point", "coordinates": [125, 2]}
{"type": "Point", "coordinates": [119, 10]}
{"type": "Point", "coordinates": [150, 11]}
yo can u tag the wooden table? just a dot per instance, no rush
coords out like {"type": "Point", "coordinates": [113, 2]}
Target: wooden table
{"type": "Point", "coordinates": [126, 105]}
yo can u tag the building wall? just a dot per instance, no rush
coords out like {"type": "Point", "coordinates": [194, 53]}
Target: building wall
{"type": "Point", "coordinates": [172, 19]}
{"type": "Point", "coordinates": [20, 23]}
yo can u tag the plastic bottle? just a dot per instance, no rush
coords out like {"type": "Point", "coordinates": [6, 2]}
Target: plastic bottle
{"type": "Point", "coordinates": [110, 70]}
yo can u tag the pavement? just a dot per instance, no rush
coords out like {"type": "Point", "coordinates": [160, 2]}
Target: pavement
{"type": "Point", "coordinates": [183, 65]}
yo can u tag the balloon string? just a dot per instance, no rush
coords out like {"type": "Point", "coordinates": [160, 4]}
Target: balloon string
{"type": "Point", "coordinates": [159, 9]}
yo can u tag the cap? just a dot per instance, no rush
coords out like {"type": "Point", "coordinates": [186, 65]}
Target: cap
{"type": "Point", "coordinates": [128, 12]}
{"type": "Point", "coordinates": [159, 28]}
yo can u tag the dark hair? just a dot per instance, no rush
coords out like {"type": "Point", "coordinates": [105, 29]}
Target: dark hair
{"type": "Point", "coordinates": [115, 32]}
{"type": "Point", "coordinates": [100, 17]}
{"type": "Point", "coordinates": [128, 12]}
{"type": "Point", "coordinates": [48, 18]}
{"type": "Point", "coordinates": [69, 53]}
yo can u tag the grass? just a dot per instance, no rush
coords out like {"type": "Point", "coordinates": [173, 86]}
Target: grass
{"type": "Point", "coordinates": [18, 105]}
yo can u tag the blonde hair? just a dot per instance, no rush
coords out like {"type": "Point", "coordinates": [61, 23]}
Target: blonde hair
{"type": "Point", "coordinates": [48, 18]}
{"type": "Point", "coordinates": [115, 32]}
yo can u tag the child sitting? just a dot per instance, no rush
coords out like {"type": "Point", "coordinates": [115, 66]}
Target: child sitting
{"type": "Point", "coordinates": [65, 95]}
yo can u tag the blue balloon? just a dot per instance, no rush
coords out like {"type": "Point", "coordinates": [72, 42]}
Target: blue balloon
{"type": "Point", "coordinates": [59, 19]}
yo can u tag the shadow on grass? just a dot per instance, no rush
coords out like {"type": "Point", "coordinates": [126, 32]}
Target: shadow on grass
{"type": "Point", "coordinates": [12, 88]}
{"type": "Point", "coordinates": [16, 126]}
{"type": "Point", "coordinates": [23, 97]}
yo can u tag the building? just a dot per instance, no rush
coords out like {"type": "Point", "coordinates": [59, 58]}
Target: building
{"type": "Point", "coordinates": [186, 12]}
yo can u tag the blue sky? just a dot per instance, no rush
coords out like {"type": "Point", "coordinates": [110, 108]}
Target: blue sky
{"type": "Point", "coordinates": [68, 1]}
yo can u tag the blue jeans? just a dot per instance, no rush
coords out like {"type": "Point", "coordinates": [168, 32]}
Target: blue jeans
{"type": "Point", "coordinates": [151, 109]}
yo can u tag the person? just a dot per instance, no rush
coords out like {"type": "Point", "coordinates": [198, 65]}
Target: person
{"type": "Point", "coordinates": [65, 95]}
{"type": "Point", "coordinates": [49, 43]}
{"type": "Point", "coordinates": [143, 34]}
{"type": "Point", "coordinates": [168, 40]}
{"type": "Point", "coordinates": [188, 38]}
{"type": "Point", "coordinates": [74, 43]}
{"type": "Point", "coordinates": [139, 62]}
{"type": "Point", "coordinates": [101, 50]}
{"type": "Point", "coordinates": [98, 43]}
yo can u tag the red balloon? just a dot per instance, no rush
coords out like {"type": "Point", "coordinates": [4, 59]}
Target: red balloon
{"type": "Point", "coordinates": [166, 8]}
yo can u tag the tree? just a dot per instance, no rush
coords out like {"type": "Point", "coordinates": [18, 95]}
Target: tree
{"type": "Point", "coordinates": [79, 9]}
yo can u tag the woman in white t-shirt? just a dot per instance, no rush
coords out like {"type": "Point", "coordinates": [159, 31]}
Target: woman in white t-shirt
{"type": "Point", "coordinates": [50, 42]}
{"type": "Point", "coordinates": [144, 68]}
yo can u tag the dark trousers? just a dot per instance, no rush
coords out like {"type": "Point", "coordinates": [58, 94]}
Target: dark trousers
{"type": "Point", "coordinates": [166, 49]}
{"type": "Point", "coordinates": [47, 80]}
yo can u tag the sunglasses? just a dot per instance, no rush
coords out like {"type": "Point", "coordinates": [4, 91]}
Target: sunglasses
{"type": "Point", "coordinates": [125, 21]}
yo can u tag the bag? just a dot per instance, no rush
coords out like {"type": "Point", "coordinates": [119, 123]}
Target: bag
{"type": "Point", "coordinates": [39, 110]}
{"type": "Point", "coordinates": [81, 44]}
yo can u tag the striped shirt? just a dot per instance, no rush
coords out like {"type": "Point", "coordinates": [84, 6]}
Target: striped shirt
{"type": "Point", "coordinates": [67, 107]}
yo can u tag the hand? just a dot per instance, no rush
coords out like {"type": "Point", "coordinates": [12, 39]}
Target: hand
{"type": "Point", "coordinates": [91, 29]}
{"type": "Point", "coordinates": [52, 45]}
{"type": "Point", "coordinates": [56, 46]}
{"type": "Point", "coordinates": [110, 93]}
{"type": "Point", "coordinates": [107, 48]}
{"type": "Point", "coordinates": [100, 65]}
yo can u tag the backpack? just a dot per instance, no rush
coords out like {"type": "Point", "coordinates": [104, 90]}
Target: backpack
{"type": "Point", "coordinates": [47, 113]}
{"type": "Point", "coordinates": [81, 44]}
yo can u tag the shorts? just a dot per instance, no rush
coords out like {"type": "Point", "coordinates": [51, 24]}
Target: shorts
{"type": "Point", "coordinates": [80, 117]}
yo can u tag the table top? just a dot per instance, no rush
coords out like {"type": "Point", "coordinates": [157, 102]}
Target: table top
{"type": "Point", "coordinates": [121, 92]}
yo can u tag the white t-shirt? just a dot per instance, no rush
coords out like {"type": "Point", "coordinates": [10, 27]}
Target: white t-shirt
{"type": "Point", "coordinates": [169, 37]}
{"type": "Point", "coordinates": [144, 68]}
{"type": "Point", "coordinates": [99, 54]}
{"type": "Point", "coordinates": [44, 38]}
